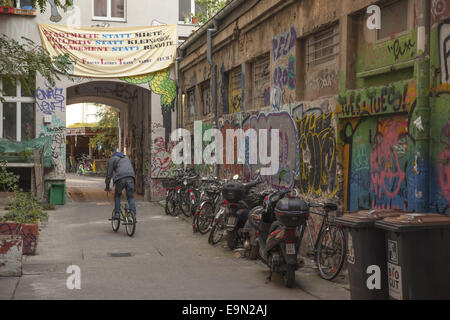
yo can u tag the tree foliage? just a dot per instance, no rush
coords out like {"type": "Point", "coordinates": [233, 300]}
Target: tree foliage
{"type": "Point", "coordinates": [208, 8]}
{"type": "Point", "coordinates": [107, 130]}
{"type": "Point", "coordinates": [42, 4]}
{"type": "Point", "coordinates": [22, 60]}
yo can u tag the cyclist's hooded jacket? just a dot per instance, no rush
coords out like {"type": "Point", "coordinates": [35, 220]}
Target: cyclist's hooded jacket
{"type": "Point", "coordinates": [121, 166]}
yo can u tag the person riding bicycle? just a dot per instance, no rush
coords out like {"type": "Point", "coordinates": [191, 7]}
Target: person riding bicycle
{"type": "Point", "coordinates": [124, 178]}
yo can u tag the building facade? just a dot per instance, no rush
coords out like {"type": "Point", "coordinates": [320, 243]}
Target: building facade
{"type": "Point", "coordinates": [363, 113]}
{"type": "Point", "coordinates": [147, 113]}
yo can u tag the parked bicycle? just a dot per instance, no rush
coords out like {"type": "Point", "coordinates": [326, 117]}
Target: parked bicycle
{"type": "Point", "coordinates": [329, 247]}
{"type": "Point", "coordinates": [84, 165]}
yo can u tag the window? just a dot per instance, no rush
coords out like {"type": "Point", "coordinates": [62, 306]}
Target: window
{"type": "Point", "coordinates": [261, 81]}
{"type": "Point", "coordinates": [322, 47]}
{"type": "Point", "coordinates": [394, 20]}
{"type": "Point", "coordinates": [17, 113]}
{"type": "Point", "coordinates": [111, 10]}
{"type": "Point", "coordinates": [235, 90]}
{"type": "Point", "coordinates": [190, 105]}
{"type": "Point", "coordinates": [206, 99]}
{"type": "Point", "coordinates": [187, 8]}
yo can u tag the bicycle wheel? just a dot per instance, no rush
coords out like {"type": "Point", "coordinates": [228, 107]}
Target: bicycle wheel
{"type": "Point", "coordinates": [115, 223]}
{"type": "Point", "coordinates": [130, 223]}
{"type": "Point", "coordinates": [205, 218]}
{"type": "Point", "coordinates": [171, 204]}
{"type": "Point", "coordinates": [331, 252]}
{"type": "Point", "coordinates": [185, 204]}
{"type": "Point", "coordinates": [217, 232]}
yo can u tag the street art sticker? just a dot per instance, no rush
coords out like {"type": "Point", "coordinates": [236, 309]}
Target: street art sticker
{"type": "Point", "coordinates": [288, 147]}
{"type": "Point", "coordinates": [317, 154]}
{"type": "Point", "coordinates": [50, 100]}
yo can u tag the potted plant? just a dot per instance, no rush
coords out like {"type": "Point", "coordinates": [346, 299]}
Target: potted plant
{"type": "Point", "coordinates": [23, 216]}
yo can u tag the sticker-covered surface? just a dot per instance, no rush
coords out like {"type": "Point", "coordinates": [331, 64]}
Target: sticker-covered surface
{"type": "Point", "coordinates": [392, 251]}
{"type": "Point", "coordinates": [351, 250]}
{"type": "Point", "coordinates": [395, 281]}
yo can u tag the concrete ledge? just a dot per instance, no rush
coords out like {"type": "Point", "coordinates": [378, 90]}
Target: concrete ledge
{"type": "Point", "coordinates": [11, 256]}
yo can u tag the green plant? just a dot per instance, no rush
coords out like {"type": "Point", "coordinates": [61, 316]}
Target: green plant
{"type": "Point", "coordinates": [24, 208]}
{"type": "Point", "coordinates": [8, 180]}
{"type": "Point", "coordinates": [22, 60]}
{"type": "Point", "coordinates": [208, 8]}
{"type": "Point", "coordinates": [107, 130]}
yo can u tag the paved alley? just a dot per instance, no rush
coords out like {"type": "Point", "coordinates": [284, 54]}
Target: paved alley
{"type": "Point", "coordinates": [164, 260]}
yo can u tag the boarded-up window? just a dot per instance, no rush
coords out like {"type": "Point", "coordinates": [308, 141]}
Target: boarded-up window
{"type": "Point", "coordinates": [261, 80]}
{"type": "Point", "coordinates": [322, 46]}
{"type": "Point", "coordinates": [394, 19]}
{"type": "Point", "coordinates": [206, 99]}
{"type": "Point", "coordinates": [190, 105]}
{"type": "Point", "coordinates": [235, 90]}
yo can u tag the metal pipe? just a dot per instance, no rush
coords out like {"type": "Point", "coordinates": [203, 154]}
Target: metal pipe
{"type": "Point", "coordinates": [178, 101]}
{"type": "Point", "coordinates": [213, 86]}
{"type": "Point", "coordinates": [422, 111]}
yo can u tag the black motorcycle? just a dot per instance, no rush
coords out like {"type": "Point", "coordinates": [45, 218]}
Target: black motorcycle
{"type": "Point", "coordinates": [239, 198]}
{"type": "Point", "coordinates": [276, 230]}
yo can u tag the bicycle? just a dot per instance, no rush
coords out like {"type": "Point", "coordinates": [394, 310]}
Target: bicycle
{"type": "Point", "coordinates": [209, 204]}
{"type": "Point", "coordinates": [127, 218]}
{"type": "Point", "coordinates": [329, 248]}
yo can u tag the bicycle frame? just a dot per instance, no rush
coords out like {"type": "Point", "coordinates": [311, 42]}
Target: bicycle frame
{"type": "Point", "coordinates": [314, 244]}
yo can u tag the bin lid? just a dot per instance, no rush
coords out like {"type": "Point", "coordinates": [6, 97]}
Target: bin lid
{"type": "Point", "coordinates": [415, 221]}
{"type": "Point", "coordinates": [365, 218]}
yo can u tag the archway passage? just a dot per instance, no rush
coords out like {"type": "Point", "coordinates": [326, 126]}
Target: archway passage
{"type": "Point", "coordinates": [134, 105]}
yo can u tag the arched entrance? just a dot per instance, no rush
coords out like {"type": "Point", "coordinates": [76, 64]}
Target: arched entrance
{"type": "Point", "coordinates": [134, 103]}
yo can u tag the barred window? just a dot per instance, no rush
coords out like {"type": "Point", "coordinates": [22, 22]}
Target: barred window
{"type": "Point", "coordinates": [322, 47]}
{"type": "Point", "coordinates": [206, 99]}
{"type": "Point", "coordinates": [261, 79]}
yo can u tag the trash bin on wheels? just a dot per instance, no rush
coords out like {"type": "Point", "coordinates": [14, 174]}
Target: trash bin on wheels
{"type": "Point", "coordinates": [418, 252]}
{"type": "Point", "coordinates": [366, 247]}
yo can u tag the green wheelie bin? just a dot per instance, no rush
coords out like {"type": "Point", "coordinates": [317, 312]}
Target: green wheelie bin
{"type": "Point", "coordinates": [418, 252]}
{"type": "Point", "coordinates": [366, 248]}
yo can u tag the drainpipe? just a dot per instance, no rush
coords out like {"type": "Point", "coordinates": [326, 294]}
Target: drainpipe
{"type": "Point", "coordinates": [179, 96]}
{"type": "Point", "coordinates": [213, 85]}
{"type": "Point", "coordinates": [421, 158]}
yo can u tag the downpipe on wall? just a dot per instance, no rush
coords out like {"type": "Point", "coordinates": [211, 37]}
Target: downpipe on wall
{"type": "Point", "coordinates": [213, 85]}
{"type": "Point", "coordinates": [422, 111]}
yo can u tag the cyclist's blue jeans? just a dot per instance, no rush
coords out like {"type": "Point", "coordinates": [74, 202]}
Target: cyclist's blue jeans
{"type": "Point", "coordinates": [127, 184]}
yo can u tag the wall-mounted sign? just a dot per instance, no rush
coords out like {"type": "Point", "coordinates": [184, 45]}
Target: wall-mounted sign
{"type": "Point", "coordinates": [112, 52]}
